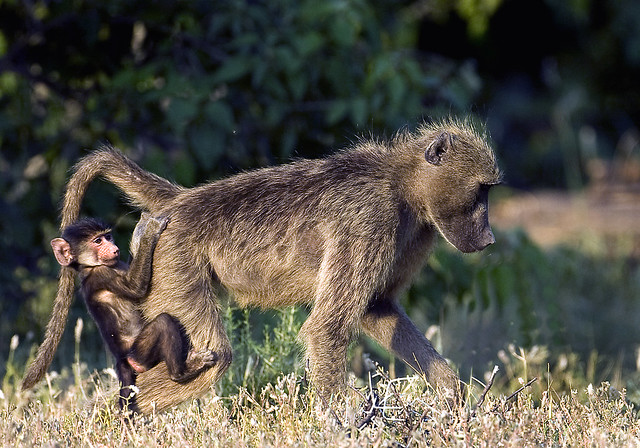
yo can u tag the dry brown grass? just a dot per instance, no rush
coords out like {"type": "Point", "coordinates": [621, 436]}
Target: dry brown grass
{"type": "Point", "coordinates": [65, 412]}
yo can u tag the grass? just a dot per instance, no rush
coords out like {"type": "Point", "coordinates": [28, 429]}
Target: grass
{"type": "Point", "coordinates": [76, 408]}
{"type": "Point", "coordinates": [285, 415]}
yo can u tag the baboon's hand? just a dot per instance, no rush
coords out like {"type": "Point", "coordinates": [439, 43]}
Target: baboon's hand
{"type": "Point", "coordinates": [158, 223]}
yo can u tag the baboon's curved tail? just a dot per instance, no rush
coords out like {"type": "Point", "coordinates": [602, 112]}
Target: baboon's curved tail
{"type": "Point", "coordinates": [54, 330]}
{"type": "Point", "coordinates": [144, 189]}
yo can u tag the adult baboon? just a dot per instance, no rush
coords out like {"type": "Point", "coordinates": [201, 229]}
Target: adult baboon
{"type": "Point", "coordinates": [343, 234]}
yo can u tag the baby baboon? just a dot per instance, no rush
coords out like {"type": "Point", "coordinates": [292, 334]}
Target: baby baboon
{"type": "Point", "coordinates": [112, 291]}
{"type": "Point", "coordinates": [344, 235]}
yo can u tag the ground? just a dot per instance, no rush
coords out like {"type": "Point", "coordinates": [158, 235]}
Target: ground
{"type": "Point", "coordinates": [611, 212]}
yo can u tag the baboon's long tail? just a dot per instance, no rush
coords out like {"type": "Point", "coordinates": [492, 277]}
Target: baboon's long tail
{"type": "Point", "coordinates": [145, 190]}
{"type": "Point", "coordinates": [54, 330]}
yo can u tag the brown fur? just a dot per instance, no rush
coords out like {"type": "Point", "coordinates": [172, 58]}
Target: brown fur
{"type": "Point", "coordinates": [343, 234]}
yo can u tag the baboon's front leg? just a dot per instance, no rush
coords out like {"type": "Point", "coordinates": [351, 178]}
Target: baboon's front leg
{"type": "Point", "coordinates": [326, 340]}
{"type": "Point", "coordinates": [389, 325]}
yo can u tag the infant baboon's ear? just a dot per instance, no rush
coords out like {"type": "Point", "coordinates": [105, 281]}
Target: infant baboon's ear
{"type": "Point", "coordinates": [438, 148]}
{"type": "Point", "coordinates": [62, 251]}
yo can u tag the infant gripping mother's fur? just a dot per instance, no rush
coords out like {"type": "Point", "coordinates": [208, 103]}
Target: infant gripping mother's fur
{"type": "Point", "coordinates": [344, 235]}
{"type": "Point", "coordinates": [112, 291]}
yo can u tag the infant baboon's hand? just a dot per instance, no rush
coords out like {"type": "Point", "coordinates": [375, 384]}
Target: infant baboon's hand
{"type": "Point", "coordinates": [155, 224]}
{"type": "Point", "coordinates": [159, 222]}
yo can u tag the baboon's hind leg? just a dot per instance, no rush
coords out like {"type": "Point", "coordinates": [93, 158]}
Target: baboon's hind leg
{"type": "Point", "coordinates": [159, 392]}
{"type": "Point", "coordinates": [194, 304]}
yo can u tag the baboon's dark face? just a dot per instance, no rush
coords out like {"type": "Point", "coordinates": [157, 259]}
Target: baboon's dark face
{"type": "Point", "coordinates": [462, 170]}
{"type": "Point", "coordinates": [466, 226]}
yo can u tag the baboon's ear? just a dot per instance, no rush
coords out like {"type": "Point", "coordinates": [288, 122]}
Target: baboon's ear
{"type": "Point", "coordinates": [62, 251]}
{"type": "Point", "coordinates": [437, 148]}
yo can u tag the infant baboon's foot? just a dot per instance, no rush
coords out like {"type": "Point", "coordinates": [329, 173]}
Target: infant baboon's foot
{"type": "Point", "coordinates": [201, 359]}
{"type": "Point", "coordinates": [196, 362]}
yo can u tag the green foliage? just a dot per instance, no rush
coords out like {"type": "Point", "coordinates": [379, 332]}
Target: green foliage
{"type": "Point", "coordinates": [570, 95]}
{"type": "Point", "coordinates": [198, 89]}
{"type": "Point", "coordinates": [265, 346]}
{"type": "Point", "coordinates": [476, 13]}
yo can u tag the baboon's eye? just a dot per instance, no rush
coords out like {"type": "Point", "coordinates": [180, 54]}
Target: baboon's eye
{"type": "Point", "coordinates": [101, 239]}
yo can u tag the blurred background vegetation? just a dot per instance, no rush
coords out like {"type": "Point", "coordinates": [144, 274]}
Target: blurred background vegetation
{"type": "Point", "coordinates": [196, 90]}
